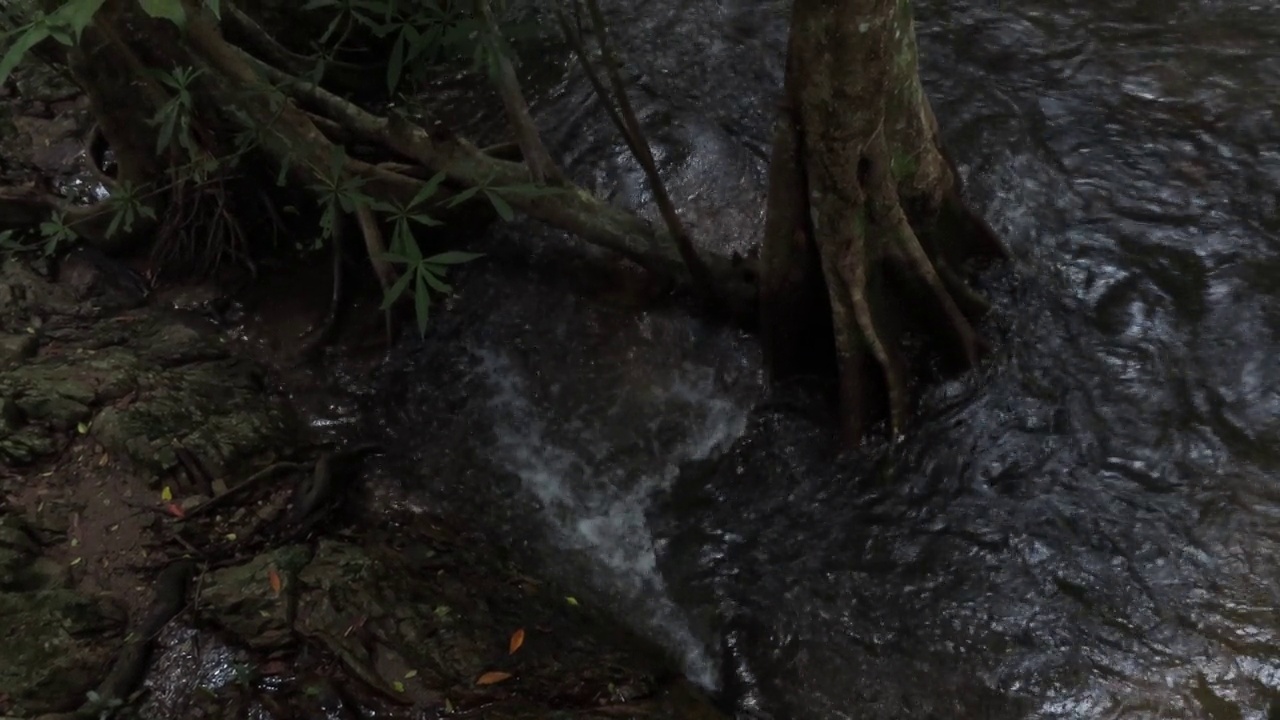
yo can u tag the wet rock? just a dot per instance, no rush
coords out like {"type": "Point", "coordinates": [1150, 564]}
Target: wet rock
{"type": "Point", "coordinates": [14, 349]}
{"type": "Point", "coordinates": [421, 620]}
{"type": "Point", "coordinates": [106, 284]}
{"type": "Point", "coordinates": [54, 642]}
{"type": "Point", "coordinates": [242, 601]}
{"type": "Point", "coordinates": [54, 645]}
{"type": "Point", "coordinates": [140, 381]}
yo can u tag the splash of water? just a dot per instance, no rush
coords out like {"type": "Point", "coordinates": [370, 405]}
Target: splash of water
{"type": "Point", "coordinates": [596, 472]}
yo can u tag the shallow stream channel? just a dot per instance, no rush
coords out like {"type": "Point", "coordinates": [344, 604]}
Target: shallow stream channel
{"type": "Point", "coordinates": [1088, 527]}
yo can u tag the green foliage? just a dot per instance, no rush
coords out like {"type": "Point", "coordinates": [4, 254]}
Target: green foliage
{"type": "Point", "coordinates": [127, 204]}
{"type": "Point", "coordinates": [420, 34]}
{"type": "Point", "coordinates": [175, 115]}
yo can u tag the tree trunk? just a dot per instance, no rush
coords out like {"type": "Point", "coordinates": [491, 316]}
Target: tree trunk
{"type": "Point", "coordinates": [866, 232]}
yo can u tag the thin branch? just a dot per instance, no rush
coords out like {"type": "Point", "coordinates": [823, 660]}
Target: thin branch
{"type": "Point", "coordinates": [625, 118]}
{"type": "Point", "coordinates": [541, 167]}
{"type": "Point", "coordinates": [265, 45]}
{"type": "Point", "coordinates": [292, 137]}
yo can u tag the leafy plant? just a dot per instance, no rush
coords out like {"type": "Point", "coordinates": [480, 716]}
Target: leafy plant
{"type": "Point", "coordinates": [422, 273]}
{"type": "Point", "coordinates": [420, 33]}
{"type": "Point", "coordinates": [175, 115]}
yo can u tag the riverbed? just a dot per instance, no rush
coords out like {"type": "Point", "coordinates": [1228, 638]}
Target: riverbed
{"type": "Point", "coordinates": [1088, 526]}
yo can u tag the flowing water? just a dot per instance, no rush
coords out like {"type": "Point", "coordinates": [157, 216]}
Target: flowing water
{"type": "Point", "coordinates": [1089, 527]}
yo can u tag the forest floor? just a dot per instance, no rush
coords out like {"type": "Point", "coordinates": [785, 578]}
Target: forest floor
{"type": "Point", "coordinates": [178, 539]}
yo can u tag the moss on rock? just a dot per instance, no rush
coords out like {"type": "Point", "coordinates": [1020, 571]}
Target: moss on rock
{"type": "Point", "coordinates": [141, 381]}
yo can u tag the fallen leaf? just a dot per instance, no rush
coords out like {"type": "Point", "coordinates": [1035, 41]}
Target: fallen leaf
{"type": "Point", "coordinates": [175, 510]}
{"type": "Point", "coordinates": [411, 674]}
{"type": "Point", "coordinates": [103, 460]}
{"type": "Point", "coordinates": [572, 601]}
{"type": "Point", "coordinates": [399, 686]}
{"type": "Point", "coordinates": [517, 639]}
{"type": "Point", "coordinates": [166, 494]}
{"type": "Point", "coordinates": [82, 428]}
{"type": "Point", "coordinates": [493, 678]}
{"type": "Point", "coordinates": [273, 577]}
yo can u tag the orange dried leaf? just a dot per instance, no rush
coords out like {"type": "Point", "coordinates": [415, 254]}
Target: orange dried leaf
{"type": "Point", "coordinates": [493, 678]}
{"type": "Point", "coordinates": [273, 577]}
{"type": "Point", "coordinates": [175, 510]}
{"type": "Point", "coordinates": [517, 639]}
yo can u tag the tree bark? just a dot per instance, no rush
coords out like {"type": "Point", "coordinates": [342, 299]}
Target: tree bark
{"type": "Point", "coordinates": [866, 233]}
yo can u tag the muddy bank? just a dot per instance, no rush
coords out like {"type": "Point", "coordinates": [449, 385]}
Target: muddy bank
{"type": "Point", "coordinates": [136, 436]}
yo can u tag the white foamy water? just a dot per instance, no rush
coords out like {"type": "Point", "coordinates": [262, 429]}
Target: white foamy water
{"type": "Point", "coordinates": [595, 462]}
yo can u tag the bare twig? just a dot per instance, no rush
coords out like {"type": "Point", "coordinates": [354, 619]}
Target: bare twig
{"type": "Point", "coordinates": [541, 167]}
{"type": "Point", "coordinates": [249, 483]}
{"type": "Point", "coordinates": [625, 118]}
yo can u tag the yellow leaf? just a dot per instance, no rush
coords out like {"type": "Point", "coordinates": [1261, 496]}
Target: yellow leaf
{"type": "Point", "coordinates": [517, 639]}
{"type": "Point", "coordinates": [399, 686]}
{"type": "Point", "coordinates": [82, 428]}
{"type": "Point", "coordinates": [273, 577]}
{"type": "Point", "coordinates": [493, 678]}
{"type": "Point", "coordinates": [166, 494]}
{"type": "Point", "coordinates": [411, 674]}
{"type": "Point", "coordinates": [572, 601]}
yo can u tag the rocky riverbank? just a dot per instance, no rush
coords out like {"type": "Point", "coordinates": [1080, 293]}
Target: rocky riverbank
{"type": "Point", "coordinates": [166, 512]}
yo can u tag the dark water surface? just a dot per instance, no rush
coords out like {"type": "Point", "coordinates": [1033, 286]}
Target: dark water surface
{"type": "Point", "coordinates": [1088, 528]}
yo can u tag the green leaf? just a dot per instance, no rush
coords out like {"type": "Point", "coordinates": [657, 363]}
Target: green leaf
{"type": "Point", "coordinates": [18, 50]}
{"type": "Point", "coordinates": [171, 10]}
{"type": "Point", "coordinates": [421, 304]}
{"type": "Point", "coordinates": [500, 205]}
{"type": "Point", "coordinates": [115, 223]}
{"type": "Point", "coordinates": [453, 257]}
{"type": "Point", "coordinates": [215, 7]}
{"type": "Point", "coordinates": [426, 220]}
{"type": "Point", "coordinates": [395, 64]}
{"type": "Point", "coordinates": [394, 258]}
{"type": "Point", "coordinates": [395, 291]}
{"type": "Point", "coordinates": [428, 189]}
{"type": "Point", "coordinates": [435, 282]}
{"type": "Point", "coordinates": [464, 196]}
{"type": "Point", "coordinates": [413, 252]}
{"type": "Point", "coordinates": [78, 14]}
{"type": "Point", "coordinates": [166, 129]}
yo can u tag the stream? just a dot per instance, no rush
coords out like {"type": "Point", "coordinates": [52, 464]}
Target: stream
{"type": "Point", "coordinates": [1087, 527]}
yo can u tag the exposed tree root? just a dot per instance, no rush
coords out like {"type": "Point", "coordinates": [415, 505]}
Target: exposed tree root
{"type": "Point", "coordinates": [860, 183]}
{"type": "Point", "coordinates": [293, 134]}
{"type": "Point", "coordinates": [323, 331]}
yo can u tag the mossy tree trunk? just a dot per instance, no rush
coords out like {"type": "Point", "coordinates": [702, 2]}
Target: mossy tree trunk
{"type": "Point", "coordinates": [866, 233]}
